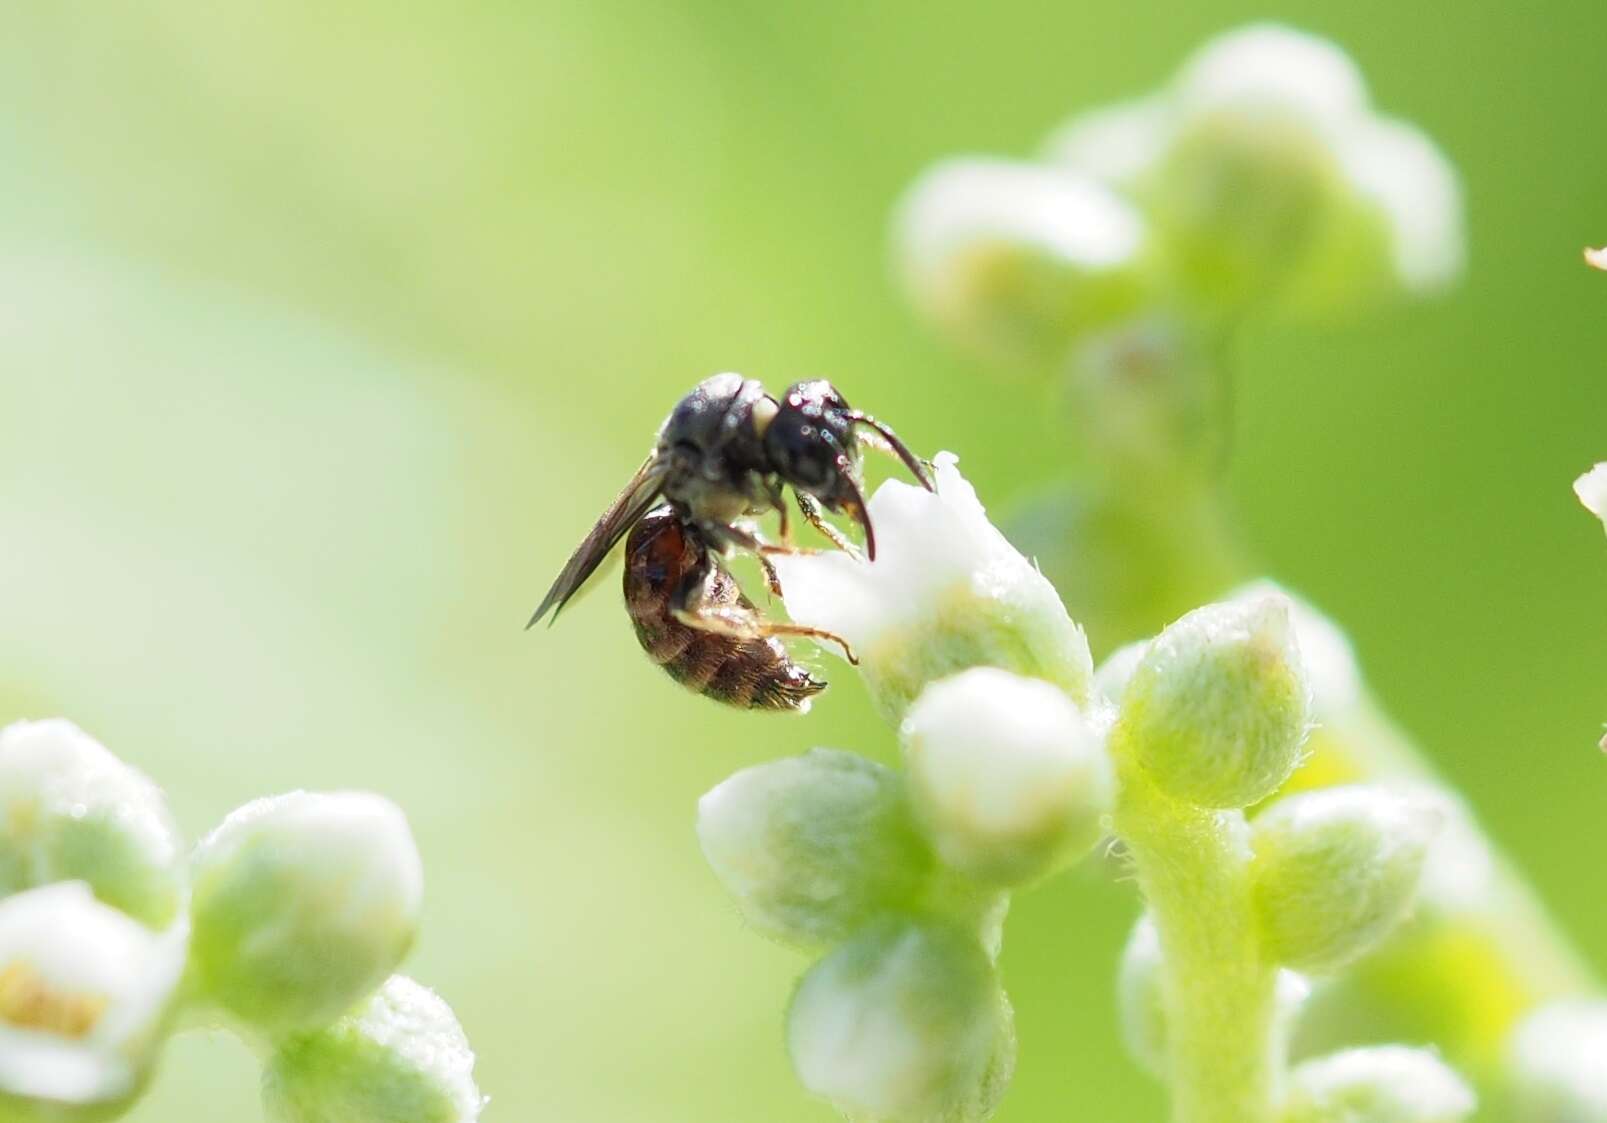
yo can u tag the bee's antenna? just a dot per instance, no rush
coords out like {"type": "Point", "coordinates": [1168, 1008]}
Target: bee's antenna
{"type": "Point", "coordinates": [914, 463]}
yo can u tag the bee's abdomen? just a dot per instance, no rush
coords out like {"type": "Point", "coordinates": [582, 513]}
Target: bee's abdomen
{"type": "Point", "coordinates": [743, 671]}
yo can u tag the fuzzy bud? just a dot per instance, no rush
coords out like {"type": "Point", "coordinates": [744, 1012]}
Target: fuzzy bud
{"type": "Point", "coordinates": [302, 905]}
{"type": "Point", "coordinates": [947, 591]}
{"type": "Point", "coordinates": [1011, 259]}
{"type": "Point", "coordinates": [399, 1058]}
{"type": "Point", "coordinates": [1006, 776]}
{"type": "Point", "coordinates": [71, 811]}
{"type": "Point", "coordinates": [1216, 710]}
{"type": "Point", "coordinates": [84, 997]}
{"type": "Point", "coordinates": [814, 846]}
{"type": "Point", "coordinates": [1558, 1064]}
{"type": "Point", "coordinates": [905, 1023]}
{"type": "Point", "coordinates": [1336, 870]}
{"type": "Point", "coordinates": [1381, 1084]}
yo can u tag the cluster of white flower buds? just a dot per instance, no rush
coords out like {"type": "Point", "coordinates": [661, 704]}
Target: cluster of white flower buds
{"type": "Point", "coordinates": [1259, 181]}
{"type": "Point", "coordinates": [1017, 760]}
{"type": "Point", "coordinates": [1260, 176]}
{"type": "Point", "coordinates": [285, 924]}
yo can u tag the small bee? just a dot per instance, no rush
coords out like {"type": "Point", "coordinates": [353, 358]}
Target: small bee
{"type": "Point", "coordinates": [724, 455]}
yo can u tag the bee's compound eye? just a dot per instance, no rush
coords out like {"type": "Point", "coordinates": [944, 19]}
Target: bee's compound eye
{"type": "Point", "coordinates": [801, 453]}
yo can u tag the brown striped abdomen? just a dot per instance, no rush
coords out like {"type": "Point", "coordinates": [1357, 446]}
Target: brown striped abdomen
{"type": "Point", "coordinates": [662, 555]}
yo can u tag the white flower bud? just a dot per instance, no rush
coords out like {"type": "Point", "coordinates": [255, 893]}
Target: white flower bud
{"type": "Point", "coordinates": [1592, 491]}
{"type": "Point", "coordinates": [1217, 708]}
{"type": "Point", "coordinates": [84, 996]}
{"type": "Point", "coordinates": [400, 1058]}
{"type": "Point", "coordinates": [1381, 1084]}
{"type": "Point", "coordinates": [1007, 778]}
{"type": "Point", "coordinates": [1266, 64]}
{"type": "Point", "coordinates": [1558, 1064]}
{"type": "Point", "coordinates": [1325, 652]}
{"type": "Point", "coordinates": [1115, 144]}
{"type": "Point", "coordinates": [1012, 259]}
{"type": "Point", "coordinates": [1274, 178]}
{"type": "Point", "coordinates": [302, 905]}
{"type": "Point", "coordinates": [814, 846]}
{"type": "Point", "coordinates": [71, 811]}
{"type": "Point", "coordinates": [1336, 870]}
{"type": "Point", "coordinates": [1112, 676]}
{"type": "Point", "coordinates": [1402, 176]}
{"type": "Point", "coordinates": [947, 591]}
{"type": "Point", "coordinates": [1141, 1002]}
{"type": "Point", "coordinates": [904, 1024]}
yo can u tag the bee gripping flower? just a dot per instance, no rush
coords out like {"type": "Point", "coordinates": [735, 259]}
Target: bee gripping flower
{"type": "Point", "coordinates": [1217, 707]}
{"type": "Point", "coordinates": [1380, 1084]}
{"type": "Point", "coordinates": [1336, 870]}
{"type": "Point", "coordinates": [1008, 778]}
{"type": "Point", "coordinates": [302, 904]}
{"type": "Point", "coordinates": [905, 1023]}
{"type": "Point", "coordinates": [399, 1058]}
{"type": "Point", "coordinates": [71, 811]}
{"type": "Point", "coordinates": [812, 847]}
{"type": "Point", "coordinates": [84, 997]}
{"type": "Point", "coordinates": [946, 592]}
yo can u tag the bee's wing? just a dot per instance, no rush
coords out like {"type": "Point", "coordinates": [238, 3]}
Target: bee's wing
{"type": "Point", "coordinates": [625, 512]}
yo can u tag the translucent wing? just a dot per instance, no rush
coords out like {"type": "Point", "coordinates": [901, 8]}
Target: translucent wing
{"type": "Point", "coordinates": [625, 512]}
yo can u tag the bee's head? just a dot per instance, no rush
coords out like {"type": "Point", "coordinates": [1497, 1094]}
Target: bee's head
{"type": "Point", "coordinates": [811, 444]}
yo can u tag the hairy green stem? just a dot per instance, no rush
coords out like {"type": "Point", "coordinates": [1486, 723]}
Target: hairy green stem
{"type": "Point", "coordinates": [1224, 1053]}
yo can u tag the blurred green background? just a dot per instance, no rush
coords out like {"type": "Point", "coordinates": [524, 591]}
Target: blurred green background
{"type": "Point", "coordinates": [325, 330]}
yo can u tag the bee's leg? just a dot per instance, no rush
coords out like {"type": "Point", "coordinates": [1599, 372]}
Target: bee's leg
{"type": "Point", "coordinates": [778, 500]}
{"type": "Point", "coordinates": [772, 579]}
{"type": "Point", "coordinates": [689, 607]}
{"type": "Point", "coordinates": [811, 514]}
{"type": "Point", "coordinates": [725, 537]}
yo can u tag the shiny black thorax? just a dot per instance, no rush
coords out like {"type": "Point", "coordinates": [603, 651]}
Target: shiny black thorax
{"type": "Point", "coordinates": [730, 447]}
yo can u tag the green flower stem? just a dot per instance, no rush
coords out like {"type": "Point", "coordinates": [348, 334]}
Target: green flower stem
{"type": "Point", "coordinates": [1127, 562]}
{"type": "Point", "coordinates": [1224, 1052]}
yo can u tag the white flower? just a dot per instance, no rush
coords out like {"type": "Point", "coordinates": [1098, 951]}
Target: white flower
{"type": "Point", "coordinates": [1381, 1084]}
{"type": "Point", "coordinates": [1336, 871]}
{"type": "Point", "coordinates": [1006, 776]}
{"type": "Point", "coordinates": [947, 591]}
{"type": "Point", "coordinates": [1592, 491]}
{"type": "Point", "coordinates": [399, 1058]}
{"type": "Point", "coordinates": [1398, 170]}
{"type": "Point", "coordinates": [1216, 709]}
{"type": "Point", "coordinates": [1264, 65]}
{"type": "Point", "coordinates": [70, 810]}
{"type": "Point", "coordinates": [1558, 1062]}
{"type": "Point", "coordinates": [814, 846]}
{"type": "Point", "coordinates": [1115, 144]}
{"type": "Point", "coordinates": [302, 905]}
{"type": "Point", "coordinates": [84, 993]}
{"type": "Point", "coordinates": [904, 1023]}
{"type": "Point", "coordinates": [1010, 258]}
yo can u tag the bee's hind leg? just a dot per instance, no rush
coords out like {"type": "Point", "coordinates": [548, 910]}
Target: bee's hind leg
{"type": "Point", "coordinates": [689, 607]}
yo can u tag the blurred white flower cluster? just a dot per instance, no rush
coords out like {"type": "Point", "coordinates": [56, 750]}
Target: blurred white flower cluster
{"type": "Point", "coordinates": [1017, 760]}
{"type": "Point", "coordinates": [285, 925]}
{"type": "Point", "coordinates": [1259, 178]}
